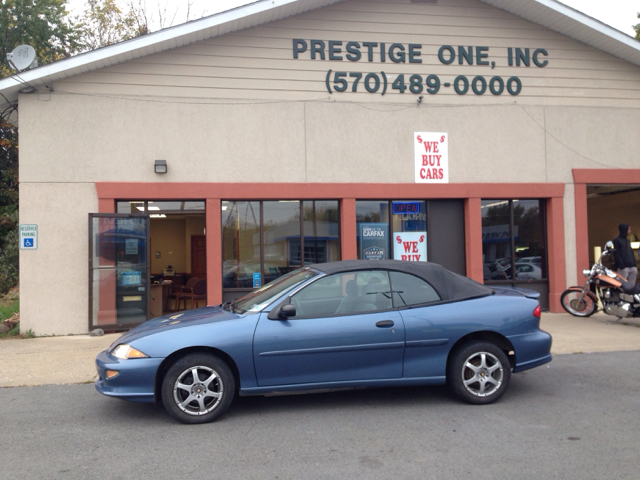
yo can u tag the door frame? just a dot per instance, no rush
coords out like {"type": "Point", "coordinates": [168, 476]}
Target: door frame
{"type": "Point", "coordinates": [116, 326]}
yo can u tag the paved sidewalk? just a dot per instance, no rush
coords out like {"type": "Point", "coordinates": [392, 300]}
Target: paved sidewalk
{"type": "Point", "coordinates": [70, 359]}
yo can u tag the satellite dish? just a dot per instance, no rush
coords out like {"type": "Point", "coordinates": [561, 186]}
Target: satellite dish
{"type": "Point", "coordinates": [22, 57]}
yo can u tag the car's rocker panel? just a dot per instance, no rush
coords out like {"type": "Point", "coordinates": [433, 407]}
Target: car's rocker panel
{"type": "Point", "coordinates": [330, 386]}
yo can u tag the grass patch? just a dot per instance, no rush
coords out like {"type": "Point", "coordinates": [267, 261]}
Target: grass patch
{"type": "Point", "coordinates": [8, 308]}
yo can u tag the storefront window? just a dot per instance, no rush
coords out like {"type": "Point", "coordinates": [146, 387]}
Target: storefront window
{"type": "Point", "coordinates": [264, 240]}
{"type": "Point", "coordinates": [321, 227]}
{"type": "Point", "coordinates": [156, 207]}
{"type": "Point", "coordinates": [513, 240]}
{"type": "Point", "coordinates": [130, 206]}
{"type": "Point", "coordinates": [392, 229]}
{"type": "Point", "coordinates": [240, 243]}
{"type": "Point", "coordinates": [409, 230]}
{"type": "Point", "coordinates": [372, 223]}
{"type": "Point", "coordinates": [281, 226]}
{"type": "Point", "coordinates": [176, 206]}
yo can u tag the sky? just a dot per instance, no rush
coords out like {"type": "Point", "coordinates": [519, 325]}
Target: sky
{"type": "Point", "coordinates": [620, 14]}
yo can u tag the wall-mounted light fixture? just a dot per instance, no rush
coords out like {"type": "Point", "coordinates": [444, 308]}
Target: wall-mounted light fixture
{"type": "Point", "coordinates": [160, 166]}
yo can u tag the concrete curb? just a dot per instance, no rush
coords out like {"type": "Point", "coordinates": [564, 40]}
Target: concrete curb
{"type": "Point", "coordinates": [70, 359]}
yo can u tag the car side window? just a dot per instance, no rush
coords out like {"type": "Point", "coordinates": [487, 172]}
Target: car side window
{"type": "Point", "coordinates": [345, 293]}
{"type": "Point", "coordinates": [318, 299]}
{"type": "Point", "coordinates": [411, 290]}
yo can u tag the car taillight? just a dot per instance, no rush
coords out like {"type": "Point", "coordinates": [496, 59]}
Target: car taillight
{"type": "Point", "coordinates": [537, 311]}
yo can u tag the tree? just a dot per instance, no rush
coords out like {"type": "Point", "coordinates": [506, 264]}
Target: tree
{"type": "Point", "coordinates": [43, 24]}
{"type": "Point", "coordinates": [8, 206]}
{"type": "Point", "coordinates": [636, 27]}
{"type": "Point", "coordinates": [103, 23]}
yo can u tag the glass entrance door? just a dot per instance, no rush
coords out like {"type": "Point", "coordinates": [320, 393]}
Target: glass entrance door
{"type": "Point", "coordinates": [118, 270]}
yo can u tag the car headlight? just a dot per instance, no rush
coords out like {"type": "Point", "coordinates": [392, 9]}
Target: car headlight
{"type": "Point", "coordinates": [125, 351]}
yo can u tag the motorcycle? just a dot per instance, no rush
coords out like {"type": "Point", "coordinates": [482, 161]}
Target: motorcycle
{"type": "Point", "coordinates": [618, 297]}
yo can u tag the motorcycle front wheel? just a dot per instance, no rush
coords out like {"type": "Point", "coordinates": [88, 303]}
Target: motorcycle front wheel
{"type": "Point", "coordinates": [570, 300]}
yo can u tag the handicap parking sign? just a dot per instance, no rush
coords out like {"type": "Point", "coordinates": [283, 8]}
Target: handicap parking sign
{"type": "Point", "coordinates": [28, 237]}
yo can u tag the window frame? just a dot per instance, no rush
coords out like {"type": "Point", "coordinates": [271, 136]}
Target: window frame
{"type": "Point", "coordinates": [514, 282]}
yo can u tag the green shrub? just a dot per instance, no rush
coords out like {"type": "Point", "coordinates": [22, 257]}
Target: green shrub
{"type": "Point", "coordinates": [9, 262]}
{"type": "Point", "coordinates": [8, 309]}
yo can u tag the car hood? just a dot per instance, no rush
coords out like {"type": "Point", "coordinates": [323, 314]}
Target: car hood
{"type": "Point", "coordinates": [177, 320]}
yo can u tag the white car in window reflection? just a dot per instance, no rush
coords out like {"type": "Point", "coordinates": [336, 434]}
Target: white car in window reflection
{"type": "Point", "coordinates": [528, 271]}
{"type": "Point", "coordinates": [537, 260]}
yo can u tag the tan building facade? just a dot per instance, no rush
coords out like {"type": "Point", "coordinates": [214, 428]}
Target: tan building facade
{"type": "Point", "coordinates": [323, 107]}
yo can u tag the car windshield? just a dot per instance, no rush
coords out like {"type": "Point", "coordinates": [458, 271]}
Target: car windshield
{"type": "Point", "coordinates": [258, 299]}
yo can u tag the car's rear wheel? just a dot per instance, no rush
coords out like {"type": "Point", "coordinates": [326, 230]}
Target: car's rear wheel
{"type": "Point", "coordinates": [198, 388]}
{"type": "Point", "coordinates": [479, 373]}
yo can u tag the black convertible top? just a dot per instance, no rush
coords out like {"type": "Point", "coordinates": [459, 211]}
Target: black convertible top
{"type": "Point", "coordinates": [449, 285]}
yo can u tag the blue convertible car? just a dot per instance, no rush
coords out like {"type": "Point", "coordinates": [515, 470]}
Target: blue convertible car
{"type": "Point", "coordinates": [336, 325]}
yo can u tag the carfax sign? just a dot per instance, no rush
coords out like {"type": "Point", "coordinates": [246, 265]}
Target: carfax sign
{"type": "Point", "coordinates": [28, 237]}
{"type": "Point", "coordinates": [374, 241]}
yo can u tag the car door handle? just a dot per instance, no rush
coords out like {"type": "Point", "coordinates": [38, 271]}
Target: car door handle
{"type": "Point", "coordinates": [385, 323]}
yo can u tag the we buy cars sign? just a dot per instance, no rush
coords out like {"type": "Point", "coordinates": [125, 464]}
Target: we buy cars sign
{"type": "Point", "coordinates": [431, 151]}
{"type": "Point", "coordinates": [410, 246]}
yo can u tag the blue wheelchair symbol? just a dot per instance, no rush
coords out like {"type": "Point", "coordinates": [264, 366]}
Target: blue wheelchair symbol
{"type": "Point", "coordinates": [28, 242]}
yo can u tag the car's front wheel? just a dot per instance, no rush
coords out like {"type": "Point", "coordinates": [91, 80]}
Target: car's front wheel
{"type": "Point", "coordinates": [479, 373]}
{"type": "Point", "coordinates": [198, 388]}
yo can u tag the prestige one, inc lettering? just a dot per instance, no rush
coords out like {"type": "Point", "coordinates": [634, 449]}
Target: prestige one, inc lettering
{"type": "Point", "coordinates": [353, 51]}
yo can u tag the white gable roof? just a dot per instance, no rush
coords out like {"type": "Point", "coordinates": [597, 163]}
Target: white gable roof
{"type": "Point", "coordinates": [547, 13]}
{"type": "Point", "coordinates": [240, 18]}
{"type": "Point", "coordinates": [560, 18]}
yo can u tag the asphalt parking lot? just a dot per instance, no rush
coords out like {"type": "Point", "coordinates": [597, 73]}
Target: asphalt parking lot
{"type": "Point", "coordinates": [574, 418]}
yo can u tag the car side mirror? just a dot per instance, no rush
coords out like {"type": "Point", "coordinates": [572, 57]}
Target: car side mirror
{"type": "Point", "coordinates": [282, 313]}
{"type": "Point", "coordinates": [287, 310]}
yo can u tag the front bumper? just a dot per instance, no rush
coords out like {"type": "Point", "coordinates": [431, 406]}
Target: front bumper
{"type": "Point", "coordinates": [135, 382]}
{"type": "Point", "coordinates": [531, 349]}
